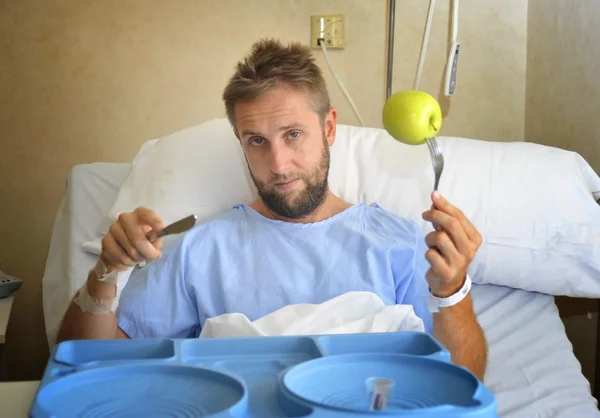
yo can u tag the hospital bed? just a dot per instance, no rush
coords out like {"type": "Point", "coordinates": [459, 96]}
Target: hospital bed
{"type": "Point", "coordinates": [532, 369]}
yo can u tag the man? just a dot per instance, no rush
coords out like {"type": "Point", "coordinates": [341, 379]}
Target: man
{"type": "Point", "coordinates": [297, 243]}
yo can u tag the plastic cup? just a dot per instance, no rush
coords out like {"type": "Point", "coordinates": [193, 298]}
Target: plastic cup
{"type": "Point", "coordinates": [378, 392]}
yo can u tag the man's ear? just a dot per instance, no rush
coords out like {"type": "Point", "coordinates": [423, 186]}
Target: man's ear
{"type": "Point", "coordinates": [330, 126]}
{"type": "Point", "coordinates": [237, 135]}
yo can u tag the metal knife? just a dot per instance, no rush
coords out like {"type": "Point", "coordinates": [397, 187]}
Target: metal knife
{"type": "Point", "coordinates": [178, 227]}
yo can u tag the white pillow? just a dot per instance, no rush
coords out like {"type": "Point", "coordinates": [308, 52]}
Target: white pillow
{"type": "Point", "coordinates": [533, 204]}
{"type": "Point", "coordinates": [198, 170]}
{"type": "Point", "coordinates": [137, 171]}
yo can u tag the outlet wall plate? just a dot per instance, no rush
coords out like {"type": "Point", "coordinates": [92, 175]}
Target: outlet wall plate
{"type": "Point", "coordinates": [329, 27]}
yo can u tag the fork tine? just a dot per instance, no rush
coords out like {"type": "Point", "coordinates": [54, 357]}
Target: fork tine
{"type": "Point", "coordinates": [434, 144]}
{"type": "Point", "coordinates": [436, 147]}
{"type": "Point", "coordinates": [431, 150]}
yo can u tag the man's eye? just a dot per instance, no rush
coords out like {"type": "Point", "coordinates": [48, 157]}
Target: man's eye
{"type": "Point", "coordinates": [257, 141]}
{"type": "Point", "coordinates": [295, 135]}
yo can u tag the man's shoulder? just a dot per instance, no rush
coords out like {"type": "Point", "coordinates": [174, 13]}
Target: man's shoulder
{"type": "Point", "coordinates": [216, 225]}
{"type": "Point", "coordinates": [388, 223]}
{"type": "Point", "coordinates": [230, 218]}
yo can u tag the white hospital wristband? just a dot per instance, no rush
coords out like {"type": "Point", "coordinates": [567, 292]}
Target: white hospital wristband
{"type": "Point", "coordinates": [436, 303]}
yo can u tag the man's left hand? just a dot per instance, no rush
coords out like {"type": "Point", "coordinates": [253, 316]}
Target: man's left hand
{"type": "Point", "coordinates": [451, 249]}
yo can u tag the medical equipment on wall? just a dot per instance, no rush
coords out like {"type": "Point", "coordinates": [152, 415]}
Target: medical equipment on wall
{"type": "Point", "coordinates": [452, 63]}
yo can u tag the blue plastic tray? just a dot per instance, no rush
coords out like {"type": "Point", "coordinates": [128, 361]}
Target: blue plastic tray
{"type": "Point", "coordinates": [264, 377]}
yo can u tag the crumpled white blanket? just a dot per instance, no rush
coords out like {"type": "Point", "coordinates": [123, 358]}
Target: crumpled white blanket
{"type": "Point", "coordinates": [349, 313]}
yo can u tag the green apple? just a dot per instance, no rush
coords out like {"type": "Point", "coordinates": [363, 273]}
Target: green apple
{"type": "Point", "coordinates": [412, 116]}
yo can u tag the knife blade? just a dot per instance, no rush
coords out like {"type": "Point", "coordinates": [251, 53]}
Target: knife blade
{"type": "Point", "coordinates": [177, 227]}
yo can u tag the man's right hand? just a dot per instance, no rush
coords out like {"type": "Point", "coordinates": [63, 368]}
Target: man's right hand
{"type": "Point", "coordinates": [126, 243]}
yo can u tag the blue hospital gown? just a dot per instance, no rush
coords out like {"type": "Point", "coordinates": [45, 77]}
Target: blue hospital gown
{"type": "Point", "coordinates": [242, 262]}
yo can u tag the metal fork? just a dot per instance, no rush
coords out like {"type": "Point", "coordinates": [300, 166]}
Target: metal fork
{"type": "Point", "coordinates": [437, 159]}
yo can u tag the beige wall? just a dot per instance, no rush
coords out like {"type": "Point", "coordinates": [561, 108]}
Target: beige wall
{"type": "Point", "coordinates": [90, 81]}
{"type": "Point", "coordinates": [562, 108]}
{"type": "Point", "coordinates": [563, 63]}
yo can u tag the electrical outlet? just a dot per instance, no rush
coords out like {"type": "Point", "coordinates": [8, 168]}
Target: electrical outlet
{"type": "Point", "coordinates": [327, 27]}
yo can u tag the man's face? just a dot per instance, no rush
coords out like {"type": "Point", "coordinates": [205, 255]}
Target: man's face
{"type": "Point", "coordinates": [287, 150]}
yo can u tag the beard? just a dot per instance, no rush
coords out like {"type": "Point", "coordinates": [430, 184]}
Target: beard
{"type": "Point", "coordinates": [309, 199]}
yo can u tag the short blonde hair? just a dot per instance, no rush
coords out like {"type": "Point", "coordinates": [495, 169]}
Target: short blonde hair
{"type": "Point", "coordinates": [270, 65]}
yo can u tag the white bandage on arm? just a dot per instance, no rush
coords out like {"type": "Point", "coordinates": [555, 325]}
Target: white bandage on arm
{"type": "Point", "coordinates": [87, 303]}
{"type": "Point", "coordinates": [96, 306]}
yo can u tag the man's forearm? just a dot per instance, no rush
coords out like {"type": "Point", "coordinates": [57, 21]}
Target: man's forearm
{"type": "Point", "coordinates": [457, 329]}
{"type": "Point", "coordinates": [77, 324]}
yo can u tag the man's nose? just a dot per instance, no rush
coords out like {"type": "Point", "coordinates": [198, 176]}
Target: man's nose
{"type": "Point", "coordinates": [281, 158]}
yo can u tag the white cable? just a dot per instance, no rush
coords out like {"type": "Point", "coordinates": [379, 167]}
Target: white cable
{"type": "Point", "coordinates": [425, 43]}
{"type": "Point", "coordinates": [455, 20]}
{"type": "Point", "coordinates": [339, 81]}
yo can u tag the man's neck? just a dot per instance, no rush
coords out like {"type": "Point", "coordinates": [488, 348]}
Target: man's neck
{"type": "Point", "coordinates": [331, 206]}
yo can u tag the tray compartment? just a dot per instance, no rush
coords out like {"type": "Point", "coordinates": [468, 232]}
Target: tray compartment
{"type": "Point", "coordinates": [409, 343]}
{"type": "Point", "coordinates": [77, 353]}
{"type": "Point", "coordinates": [282, 350]}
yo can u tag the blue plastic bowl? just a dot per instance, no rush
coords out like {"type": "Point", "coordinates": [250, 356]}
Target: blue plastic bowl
{"type": "Point", "coordinates": [339, 382]}
{"type": "Point", "coordinates": [143, 391]}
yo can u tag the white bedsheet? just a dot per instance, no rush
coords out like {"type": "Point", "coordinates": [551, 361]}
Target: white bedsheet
{"type": "Point", "coordinates": [531, 366]}
{"type": "Point", "coordinates": [531, 370]}
{"type": "Point", "coordinates": [91, 190]}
